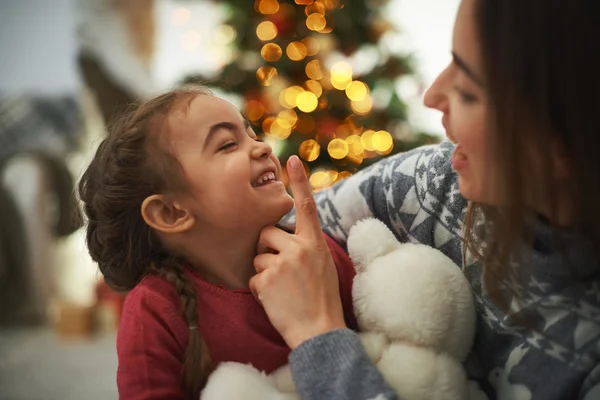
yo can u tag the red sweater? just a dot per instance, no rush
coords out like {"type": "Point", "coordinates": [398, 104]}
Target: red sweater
{"type": "Point", "coordinates": [153, 332]}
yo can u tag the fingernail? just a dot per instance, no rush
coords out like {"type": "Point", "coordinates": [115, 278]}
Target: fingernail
{"type": "Point", "coordinates": [295, 162]}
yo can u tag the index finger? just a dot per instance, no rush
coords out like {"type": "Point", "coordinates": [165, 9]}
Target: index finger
{"type": "Point", "coordinates": [307, 218]}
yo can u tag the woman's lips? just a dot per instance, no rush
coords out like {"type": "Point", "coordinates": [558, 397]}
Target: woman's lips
{"type": "Point", "coordinates": [459, 159]}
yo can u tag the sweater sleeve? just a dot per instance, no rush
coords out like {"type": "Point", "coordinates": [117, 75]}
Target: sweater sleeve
{"type": "Point", "coordinates": [150, 356]}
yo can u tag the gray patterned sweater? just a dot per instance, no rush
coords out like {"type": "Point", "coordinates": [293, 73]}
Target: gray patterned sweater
{"type": "Point", "coordinates": [416, 195]}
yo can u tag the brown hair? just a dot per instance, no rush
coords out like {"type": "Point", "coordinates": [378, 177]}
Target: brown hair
{"type": "Point", "coordinates": [130, 165]}
{"type": "Point", "coordinates": [542, 83]}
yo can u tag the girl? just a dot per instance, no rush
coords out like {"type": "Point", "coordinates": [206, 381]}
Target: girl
{"type": "Point", "coordinates": [176, 197]}
{"type": "Point", "coordinates": [519, 101]}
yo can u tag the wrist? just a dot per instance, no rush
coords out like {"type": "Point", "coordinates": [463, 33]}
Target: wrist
{"type": "Point", "coordinates": [302, 334]}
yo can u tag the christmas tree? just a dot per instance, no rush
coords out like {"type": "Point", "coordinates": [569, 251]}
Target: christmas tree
{"type": "Point", "coordinates": [292, 65]}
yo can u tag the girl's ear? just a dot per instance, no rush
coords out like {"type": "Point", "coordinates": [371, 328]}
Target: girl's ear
{"type": "Point", "coordinates": [165, 216]}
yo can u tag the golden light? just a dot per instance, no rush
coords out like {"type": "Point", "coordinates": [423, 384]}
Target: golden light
{"type": "Point", "coordinates": [309, 150]}
{"type": "Point", "coordinates": [313, 70]}
{"type": "Point", "coordinates": [382, 142]}
{"type": "Point", "coordinates": [280, 128]}
{"type": "Point", "coordinates": [316, 22]}
{"type": "Point", "coordinates": [289, 115]}
{"type": "Point", "coordinates": [307, 102]}
{"type": "Point", "coordinates": [362, 107]}
{"type": "Point", "coordinates": [355, 145]}
{"type": "Point", "coordinates": [271, 52]}
{"type": "Point", "coordinates": [367, 140]}
{"type": "Point", "coordinates": [337, 148]}
{"type": "Point", "coordinates": [225, 34]}
{"type": "Point", "coordinates": [344, 130]}
{"type": "Point", "coordinates": [323, 103]}
{"type": "Point", "coordinates": [296, 51]}
{"type": "Point", "coordinates": [345, 174]}
{"type": "Point", "coordinates": [304, 2]}
{"type": "Point", "coordinates": [289, 97]}
{"type": "Point", "coordinates": [312, 45]}
{"type": "Point", "coordinates": [314, 87]}
{"type": "Point", "coordinates": [181, 16]}
{"type": "Point", "coordinates": [356, 91]}
{"type": "Point", "coordinates": [190, 40]}
{"type": "Point", "coordinates": [266, 74]}
{"type": "Point", "coordinates": [267, 123]}
{"type": "Point", "coordinates": [341, 75]}
{"type": "Point", "coordinates": [315, 8]}
{"type": "Point", "coordinates": [320, 180]}
{"type": "Point", "coordinates": [268, 7]}
{"type": "Point", "coordinates": [254, 110]}
{"type": "Point", "coordinates": [306, 124]}
{"type": "Point", "coordinates": [331, 4]}
{"type": "Point", "coordinates": [266, 30]}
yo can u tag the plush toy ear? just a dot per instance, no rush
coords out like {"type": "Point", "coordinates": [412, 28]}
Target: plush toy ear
{"type": "Point", "coordinates": [369, 239]}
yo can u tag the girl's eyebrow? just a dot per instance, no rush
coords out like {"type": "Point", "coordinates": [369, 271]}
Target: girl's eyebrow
{"type": "Point", "coordinates": [216, 128]}
{"type": "Point", "coordinates": [460, 63]}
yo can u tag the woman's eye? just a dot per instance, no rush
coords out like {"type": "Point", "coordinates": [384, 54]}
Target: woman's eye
{"type": "Point", "coordinates": [465, 96]}
{"type": "Point", "coordinates": [228, 146]}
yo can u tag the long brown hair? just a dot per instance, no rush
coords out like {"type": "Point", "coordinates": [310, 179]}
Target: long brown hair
{"type": "Point", "coordinates": [542, 82]}
{"type": "Point", "coordinates": [130, 165]}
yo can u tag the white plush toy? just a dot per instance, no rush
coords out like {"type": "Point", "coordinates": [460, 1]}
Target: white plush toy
{"type": "Point", "coordinates": [415, 311]}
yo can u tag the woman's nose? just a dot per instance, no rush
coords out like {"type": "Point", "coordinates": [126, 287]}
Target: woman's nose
{"type": "Point", "coordinates": [437, 95]}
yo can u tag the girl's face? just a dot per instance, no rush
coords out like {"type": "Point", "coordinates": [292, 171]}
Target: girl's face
{"type": "Point", "coordinates": [234, 180]}
{"type": "Point", "coordinates": [458, 94]}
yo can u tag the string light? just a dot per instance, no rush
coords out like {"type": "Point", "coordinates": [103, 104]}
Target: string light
{"type": "Point", "coordinates": [314, 87]}
{"type": "Point", "coordinates": [266, 74]}
{"type": "Point", "coordinates": [268, 7]}
{"type": "Point", "coordinates": [307, 102]}
{"type": "Point", "coordinates": [296, 51]}
{"type": "Point", "coordinates": [254, 110]}
{"type": "Point", "coordinates": [290, 116]}
{"type": "Point", "coordinates": [337, 148]}
{"type": "Point", "coordinates": [309, 150]}
{"type": "Point", "coordinates": [280, 128]}
{"type": "Point", "coordinates": [267, 123]}
{"type": "Point", "coordinates": [316, 22]}
{"type": "Point", "coordinates": [382, 142]}
{"type": "Point", "coordinates": [313, 70]}
{"type": "Point", "coordinates": [289, 97]}
{"type": "Point", "coordinates": [320, 180]}
{"type": "Point", "coordinates": [271, 52]}
{"type": "Point", "coordinates": [341, 75]}
{"type": "Point", "coordinates": [356, 91]}
{"type": "Point", "coordinates": [367, 140]}
{"type": "Point", "coordinates": [312, 46]}
{"type": "Point", "coordinates": [303, 2]}
{"type": "Point", "coordinates": [362, 107]}
{"type": "Point", "coordinates": [266, 31]}
{"type": "Point", "coordinates": [315, 8]}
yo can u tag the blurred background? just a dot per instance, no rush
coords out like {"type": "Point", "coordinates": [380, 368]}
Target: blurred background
{"type": "Point", "coordinates": [338, 82]}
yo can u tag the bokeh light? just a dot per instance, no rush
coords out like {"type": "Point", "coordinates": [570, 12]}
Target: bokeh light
{"type": "Point", "coordinates": [288, 97]}
{"type": "Point", "coordinates": [280, 128]}
{"type": "Point", "coordinates": [181, 16]}
{"type": "Point", "coordinates": [271, 52]}
{"type": "Point", "coordinates": [304, 2]}
{"type": "Point", "coordinates": [320, 180]}
{"type": "Point", "coordinates": [316, 7]}
{"type": "Point", "coordinates": [225, 34]}
{"type": "Point", "coordinates": [355, 145]}
{"type": "Point", "coordinates": [341, 75]}
{"type": "Point", "coordinates": [337, 148]}
{"type": "Point", "coordinates": [268, 7]}
{"type": "Point", "coordinates": [254, 110]}
{"type": "Point", "coordinates": [309, 150]}
{"type": "Point", "coordinates": [307, 102]}
{"type": "Point", "coordinates": [313, 70]}
{"type": "Point", "coordinates": [266, 74]}
{"type": "Point", "coordinates": [312, 46]}
{"type": "Point", "coordinates": [267, 123]}
{"type": "Point", "coordinates": [367, 140]}
{"type": "Point", "coordinates": [296, 51]}
{"type": "Point", "coordinates": [290, 116]}
{"type": "Point", "coordinates": [382, 142]}
{"type": "Point", "coordinates": [362, 107]}
{"type": "Point", "coordinates": [314, 87]}
{"type": "Point", "coordinates": [316, 22]}
{"type": "Point", "coordinates": [266, 31]}
{"type": "Point", "coordinates": [356, 91]}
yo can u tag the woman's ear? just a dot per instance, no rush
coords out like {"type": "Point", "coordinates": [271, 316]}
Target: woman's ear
{"type": "Point", "coordinates": [164, 215]}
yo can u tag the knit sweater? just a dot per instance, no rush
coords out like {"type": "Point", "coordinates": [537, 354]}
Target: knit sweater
{"type": "Point", "coordinates": [416, 194]}
{"type": "Point", "coordinates": [153, 333]}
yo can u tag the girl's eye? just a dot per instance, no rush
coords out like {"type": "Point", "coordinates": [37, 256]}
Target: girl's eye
{"type": "Point", "coordinates": [259, 139]}
{"type": "Point", "coordinates": [465, 96]}
{"type": "Point", "coordinates": [228, 146]}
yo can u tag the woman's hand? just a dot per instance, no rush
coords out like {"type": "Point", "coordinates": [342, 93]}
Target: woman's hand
{"type": "Point", "coordinates": [298, 286]}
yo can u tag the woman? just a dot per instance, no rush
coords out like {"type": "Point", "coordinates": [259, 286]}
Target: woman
{"type": "Point", "coordinates": [514, 201]}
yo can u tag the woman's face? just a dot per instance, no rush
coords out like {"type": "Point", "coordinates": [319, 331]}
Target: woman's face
{"type": "Point", "coordinates": [458, 93]}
